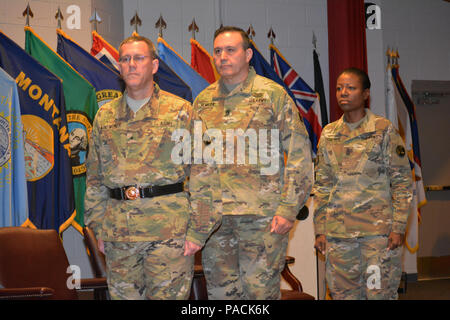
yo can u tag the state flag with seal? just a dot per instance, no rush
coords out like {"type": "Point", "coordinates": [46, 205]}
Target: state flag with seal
{"type": "Point", "coordinates": [81, 107]}
{"type": "Point", "coordinates": [46, 139]}
{"type": "Point", "coordinates": [13, 198]}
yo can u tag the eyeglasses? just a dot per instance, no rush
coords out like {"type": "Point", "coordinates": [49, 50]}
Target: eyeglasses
{"type": "Point", "coordinates": [137, 59]}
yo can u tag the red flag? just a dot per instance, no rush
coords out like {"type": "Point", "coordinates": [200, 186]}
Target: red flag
{"type": "Point", "coordinates": [103, 51]}
{"type": "Point", "coordinates": [346, 43]}
{"type": "Point", "coordinates": [202, 62]}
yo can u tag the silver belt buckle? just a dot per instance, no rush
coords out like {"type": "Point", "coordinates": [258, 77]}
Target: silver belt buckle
{"type": "Point", "coordinates": [132, 193]}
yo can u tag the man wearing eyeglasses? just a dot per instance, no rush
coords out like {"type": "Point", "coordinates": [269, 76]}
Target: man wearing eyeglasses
{"type": "Point", "coordinates": [136, 198]}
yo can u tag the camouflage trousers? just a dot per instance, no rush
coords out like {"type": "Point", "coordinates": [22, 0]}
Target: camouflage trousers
{"type": "Point", "coordinates": [362, 268]}
{"type": "Point", "coordinates": [148, 270]}
{"type": "Point", "coordinates": [243, 259]}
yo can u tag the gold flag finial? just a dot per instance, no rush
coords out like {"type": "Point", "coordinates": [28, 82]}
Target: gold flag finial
{"type": "Point", "coordinates": [161, 24]}
{"type": "Point", "coordinates": [28, 13]}
{"type": "Point", "coordinates": [194, 28]}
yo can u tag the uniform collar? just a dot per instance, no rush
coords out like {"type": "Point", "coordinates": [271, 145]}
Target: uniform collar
{"type": "Point", "coordinates": [367, 125]}
{"type": "Point", "coordinates": [125, 110]}
{"type": "Point", "coordinates": [244, 88]}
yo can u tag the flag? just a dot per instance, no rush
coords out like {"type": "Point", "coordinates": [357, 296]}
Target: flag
{"type": "Point", "coordinates": [81, 107]}
{"type": "Point", "coordinates": [318, 87]}
{"type": "Point", "coordinates": [263, 68]}
{"type": "Point", "coordinates": [13, 198]}
{"type": "Point", "coordinates": [202, 62]}
{"type": "Point", "coordinates": [400, 110]}
{"type": "Point", "coordinates": [175, 62]}
{"type": "Point", "coordinates": [169, 81]}
{"type": "Point", "coordinates": [46, 139]}
{"type": "Point", "coordinates": [306, 98]}
{"type": "Point", "coordinates": [105, 52]}
{"type": "Point", "coordinates": [164, 77]}
{"type": "Point", "coordinates": [107, 83]}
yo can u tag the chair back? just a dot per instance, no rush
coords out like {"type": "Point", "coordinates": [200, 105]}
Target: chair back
{"type": "Point", "coordinates": [34, 258]}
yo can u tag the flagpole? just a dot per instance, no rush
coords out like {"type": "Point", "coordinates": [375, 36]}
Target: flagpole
{"type": "Point", "coordinates": [271, 35]}
{"type": "Point", "coordinates": [135, 21]}
{"type": "Point", "coordinates": [59, 17]}
{"type": "Point", "coordinates": [28, 13]}
{"type": "Point", "coordinates": [194, 28]}
{"type": "Point", "coordinates": [95, 18]}
{"type": "Point", "coordinates": [251, 32]}
{"type": "Point", "coordinates": [161, 24]}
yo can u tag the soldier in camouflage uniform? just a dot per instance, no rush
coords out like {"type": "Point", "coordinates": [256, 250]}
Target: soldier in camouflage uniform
{"type": "Point", "coordinates": [363, 191]}
{"type": "Point", "coordinates": [243, 259]}
{"type": "Point", "coordinates": [136, 199]}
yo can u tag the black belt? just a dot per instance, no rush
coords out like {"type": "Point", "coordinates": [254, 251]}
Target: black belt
{"type": "Point", "coordinates": [134, 192]}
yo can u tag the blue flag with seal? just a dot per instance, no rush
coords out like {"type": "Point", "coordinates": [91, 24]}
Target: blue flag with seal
{"type": "Point", "coordinates": [13, 198]}
{"type": "Point", "coordinates": [46, 139]}
{"type": "Point", "coordinates": [107, 83]}
{"type": "Point", "coordinates": [81, 107]}
{"type": "Point", "coordinates": [191, 77]}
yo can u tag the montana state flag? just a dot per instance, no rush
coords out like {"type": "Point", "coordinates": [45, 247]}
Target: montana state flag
{"type": "Point", "coordinates": [45, 132]}
{"type": "Point", "coordinates": [81, 107]}
{"type": "Point", "coordinates": [13, 198]}
{"type": "Point", "coordinates": [106, 82]}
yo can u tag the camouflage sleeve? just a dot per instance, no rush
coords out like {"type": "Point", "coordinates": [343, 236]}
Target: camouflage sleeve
{"type": "Point", "coordinates": [298, 173]}
{"type": "Point", "coordinates": [96, 193]}
{"type": "Point", "coordinates": [322, 187]}
{"type": "Point", "coordinates": [400, 177]}
{"type": "Point", "coordinates": [204, 188]}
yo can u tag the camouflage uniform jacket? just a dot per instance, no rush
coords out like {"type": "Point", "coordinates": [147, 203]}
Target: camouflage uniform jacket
{"type": "Point", "coordinates": [135, 149]}
{"type": "Point", "coordinates": [363, 181]}
{"type": "Point", "coordinates": [261, 106]}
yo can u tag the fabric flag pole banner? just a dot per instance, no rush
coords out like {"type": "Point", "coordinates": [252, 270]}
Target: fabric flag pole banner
{"type": "Point", "coordinates": [107, 83]}
{"type": "Point", "coordinates": [46, 139]}
{"type": "Point", "coordinates": [13, 197]}
{"type": "Point", "coordinates": [175, 62]}
{"type": "Point", "coordinates": [202, 62]}
{"type": "Point", "coordinates": [81, 107]}
{"type": "Point", "coordinates": [306, 98]}
{"type": "Point", "coordinates": [169, 81]}
{"type": "Point", "coordinates": [400, 111]}
{"type": "Point", "coordinates": [263, 68]}
{"type": "Point", "coordinates": [104, 52]}
{"type": "Point", "coordinates": [164, 77]}
{"type": "Point", "coordinates": [320, 90]}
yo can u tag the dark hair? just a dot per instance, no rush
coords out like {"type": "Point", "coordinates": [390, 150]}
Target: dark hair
{"type": "Point", "coordinates": [244, 35]}
{"type": "Point", "coordinates": [362, 75]}
{"type": "Point", "coordinates": [136, 38]}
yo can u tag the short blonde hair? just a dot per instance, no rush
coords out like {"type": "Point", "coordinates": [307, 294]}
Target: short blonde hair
{"type": "Point", "coordinates": [134, 38]}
